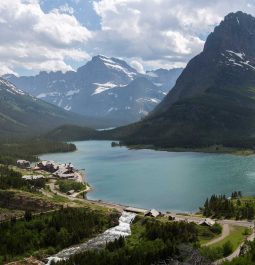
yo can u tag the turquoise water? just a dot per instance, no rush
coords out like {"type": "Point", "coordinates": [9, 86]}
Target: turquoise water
{"type": "Point", "coordinates": [156, 179]}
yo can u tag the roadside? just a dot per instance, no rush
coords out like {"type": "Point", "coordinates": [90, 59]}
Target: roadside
{"type": "Point", "coordinates": [236, 252]}
{"type": "Point", "coordinates": [225, 232]}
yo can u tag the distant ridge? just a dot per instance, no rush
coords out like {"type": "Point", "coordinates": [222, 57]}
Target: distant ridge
{"type": "Point", "coordinates": [24, 115]}
{"type": "Point", "coordinates": [105, 88]}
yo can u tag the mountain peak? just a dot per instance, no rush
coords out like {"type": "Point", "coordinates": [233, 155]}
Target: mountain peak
{"type": "Point", "coordinates": [236, 33]}
{"type": "Point", "coordinates": [213, 101]}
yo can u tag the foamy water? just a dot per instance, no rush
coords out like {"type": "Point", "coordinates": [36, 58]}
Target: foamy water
{"type": "Point", "coordinates": [123, 229]}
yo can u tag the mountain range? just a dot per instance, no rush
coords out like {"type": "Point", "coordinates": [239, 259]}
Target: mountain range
{"type": "Point", "coordinates": [22, 114]}
{"type": "Point", "coordinates": [213, 101]}
{"type": "Point", "coordinates": [105, 88]}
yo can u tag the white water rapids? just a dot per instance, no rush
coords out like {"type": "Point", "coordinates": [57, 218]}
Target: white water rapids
{"type": "Point", "coordinates": [123, 229]}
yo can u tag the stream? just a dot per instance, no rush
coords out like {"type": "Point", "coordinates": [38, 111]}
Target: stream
{"type": "Point", "coordinates": [123, 229]}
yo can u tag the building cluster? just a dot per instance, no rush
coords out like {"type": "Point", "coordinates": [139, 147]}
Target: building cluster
{"type": "Point", "coordinates": [64, 171]}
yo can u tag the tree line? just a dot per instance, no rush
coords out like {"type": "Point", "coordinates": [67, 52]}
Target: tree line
{"type": "Point", "coordinates": [220, 206]}
{"type": "Point", "coordinates": [11, 151]}
{"type": "Point", "coordinates": [10, 179]}
{"type": "Point", "coordinates": [49, 233]}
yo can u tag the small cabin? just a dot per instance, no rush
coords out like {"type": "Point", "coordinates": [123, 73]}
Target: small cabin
{"type": "Point", "coordinates": [207, 222]}
{"type": "Point", "coordinates": [152, 213]}
{"type": "Point", "coordinates": [23, 164]}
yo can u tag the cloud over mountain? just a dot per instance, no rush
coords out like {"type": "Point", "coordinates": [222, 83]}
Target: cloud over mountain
{"type": "Point", "coordinates": [57, 35]}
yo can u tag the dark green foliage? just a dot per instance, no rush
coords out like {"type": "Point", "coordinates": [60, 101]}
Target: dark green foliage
{"type": "Point", "coordinates": [25, 115]}
{"type": "Point", "coordinates": [28, 216]}
{"type": "Point", "coordinates": [246, 257]}
{"type": "Point", "coordinates": [216, 228]}
{"type": "Point", "coordinates": [58, 230]}
{"type": "Point", "coordinates": [220, 206]}
{"type": "Point", "coordinates": [11, 179]}
{"type": "Point", "coordinates": [236, 195]}
{"type": "Point", "coordinates": [71, 133]}
{"type": "Point", "coordinates": [11, 151]}
{"type": "Point", "coordinates": [160, 241]}
{"type": "Point", "coordinates": [184, 232]}
{"type": "Point", "coordinates": [116, 244]}
{"type": "Point", "coordinates": [212, 254]}
{"type": "Point", "coordinates": [67, 185]}
{"type": "Point", "coordinates": [227, 249]}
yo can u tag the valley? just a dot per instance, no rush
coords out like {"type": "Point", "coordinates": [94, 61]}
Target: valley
{"type": "Point", "coordinates": [127, 159]}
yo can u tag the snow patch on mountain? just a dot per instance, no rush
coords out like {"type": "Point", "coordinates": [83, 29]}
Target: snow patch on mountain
{"type": "Point", "coordinates": [72, 92]}
{"type": "Point", "coordinates": [151, 74]}
{"type": "Point", "coordinates": [51, 94]}
{"type": "Point", "coordinates": [237, 59]}
{"type": "Point", "coordinates": [68, 108]}
{"type": "Point", "coordinates": [151, 100]}
{"type": "Point", "coordinates": [11, 88]}
{"type": "Point", "coordinates": [238, 54]}
{"type": "Point", "coordinates": [103, 87]}
{"type": "Point", "coordinates": [114, 65]}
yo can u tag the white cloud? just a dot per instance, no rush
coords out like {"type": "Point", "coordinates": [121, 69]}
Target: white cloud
{"type": "Point", "coordinates": [138, 66]}
{"type": "Point", "coordinates": [160, 32]}
{"type": "Point", "coordinates": [66, 9]}
{"type": "Point", "coordinates": [36, 40]}
{"type": "Point", "coordinates": [147, 33]}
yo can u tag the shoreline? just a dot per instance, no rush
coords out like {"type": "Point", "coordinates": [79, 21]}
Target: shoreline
{"type": "Point", "coordinates": [208, 150]}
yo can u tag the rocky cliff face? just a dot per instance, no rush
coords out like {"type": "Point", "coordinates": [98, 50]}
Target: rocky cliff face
{"type": "Point", "coordinates": [213, 101]}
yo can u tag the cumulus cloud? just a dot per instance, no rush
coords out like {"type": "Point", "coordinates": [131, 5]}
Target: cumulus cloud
{"type": "Point", "coordinates": [66, 9]}
{"type": "Point", "coordinates": [36, 40]}
{"type": "Point", "coordinates": [160, 32]}
{"type": "Point", "coordinates": [147, 33]}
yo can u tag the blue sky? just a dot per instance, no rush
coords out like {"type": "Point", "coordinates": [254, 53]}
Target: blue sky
{"type": "Point", "coordinates": [61, 35]}
{"type": "Point", "coordinates": [83, 11]}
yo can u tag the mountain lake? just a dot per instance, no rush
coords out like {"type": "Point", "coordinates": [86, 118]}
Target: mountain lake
{"type": "Point", "coordinates": [167, 181]}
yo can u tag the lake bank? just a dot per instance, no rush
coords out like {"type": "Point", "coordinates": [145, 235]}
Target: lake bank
{"type": "Point", "coordinates": [210, 150]}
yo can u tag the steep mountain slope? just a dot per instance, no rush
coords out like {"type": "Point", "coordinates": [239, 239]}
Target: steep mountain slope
{"type": "Point", "coordinates": [213, 101]}
{"type": "Point", "coordinates": [23, 114]}
{"type": "Point", "coordinates": [103, 88]}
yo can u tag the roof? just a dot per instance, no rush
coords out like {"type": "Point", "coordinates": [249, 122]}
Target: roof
{"type": "Point", "coordinates": [33, 177]}
{"type": "Point", "coordinates": [153, 213]}
{"type": "Point", "coordinates": [208, 222]}
{"type": "Point", "coordinates": [135, 210]}
{"type": "Point", "coordinates": [22, 161]}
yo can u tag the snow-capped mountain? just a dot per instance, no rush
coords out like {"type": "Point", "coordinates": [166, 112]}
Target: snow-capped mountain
{"type": "Point", "coordinates": [103, 88]}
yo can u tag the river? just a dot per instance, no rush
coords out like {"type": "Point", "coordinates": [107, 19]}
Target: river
{"type": "Point", "coordinates": [176, 181]}
{"type": "Point", "coordinates": [123, 229]}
